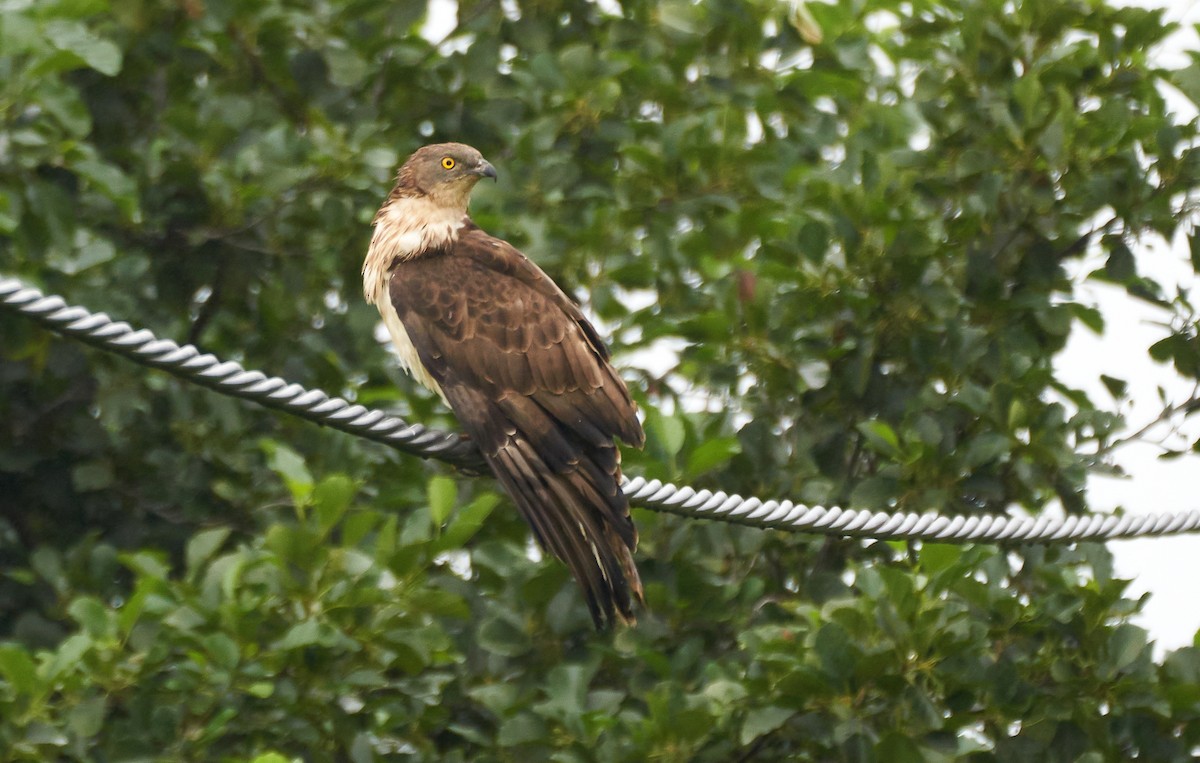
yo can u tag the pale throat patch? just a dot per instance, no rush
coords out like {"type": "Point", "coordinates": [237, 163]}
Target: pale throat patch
{"type": "Point", "coordinates": [406, 227]}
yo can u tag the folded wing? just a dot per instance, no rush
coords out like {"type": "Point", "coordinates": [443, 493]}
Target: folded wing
{"type": "Point", "coordinates": [530, 380]}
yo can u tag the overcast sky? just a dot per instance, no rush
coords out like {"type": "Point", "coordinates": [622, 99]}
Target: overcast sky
{"type": "Point", "coordinates": [1167, 568]}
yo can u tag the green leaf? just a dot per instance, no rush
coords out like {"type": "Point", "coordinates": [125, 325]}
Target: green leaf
{"type": "Point", "coordinates": [935, 557]}
{"type": "Point", "coordinates": [357, 525]}
{"type": "Point", "coordinates": [763, 720]}
{"type": "Point", "coordinates": [725, 694]}
{"type": "Point", "coordinates": [1183, 665]}
{"type": "Point", "coordinates": [1121, 264]}
{"type": "Point", "coordinates": [147, 564]}
{"type": "Point", "coordinates": [20, 35]}
{"type": "Point", "coordinates": [331, 498]}
{"type": "Point", "coordinates": [385, 539]}
{"type": "Point", "coordinates": [678, 16]}
{"type": "Point", "coordinates": [10, 211]}
{"type": "Point", "coordinates": [382, 157]}
{"type": "Point", "coordinates": [1187, 80]}
{"type": "Point", "coordinates": [75, 39]}
{"type": "Point", "coordinates": [78, 9]}
{"type": "Point", "coordinates": [835, 651]}
{"type": "Point", "coordinates": [874, 493]}
{"type": "Point", "coordinates": [88, 251]}
{"type": "Point", "coordinates": [202, 546]}
{"type": "Point", "coordinates": [467, 521]}
{"type": "Point", "coordinates": [224, 650]}
{"type": "Point", "coordinates": [18, 669]}
{"type": "Point", "coordinates": [1116, 387]}
{"type": "Point", "coordinates": [112, 182]}
{"type": "Point", "coordinates": [68, 656]}
{"type": "Point", "coordinates": [497, 698]}
{"type": "Point", "coordinates": [802, 20]}
{"type": "Point", "coordinates": [501, 636]}
{"type": "Point", "coordinates": [289, 465]}
{"type": "Point", "coordinates": [1125, 646]}
{"type": "Point", "coordinates": [301, 634]}
{"type": "Point", "coordinates": [1167, 348]}
{"type": "Point", "coordinates": [566, 690]}
{"type": "Point", "coordinates": [1089, 316]}
{"type": "Point", "coordinates": [898, 748]}
{"type": "Point", "coordinates": [986, 448]}
{"type": "Point", "coordinates": [346, 67]}
{"type": "Point", "coordinates": [86, 719]}
{"type": "Point", "coordinates": [353, 563]}
{"type": "Point", "coordinates": [295, 545]}
{"type": "Point", "coordinates": [521, 729]}
{"type": "Point", "coordinates": [47, 563]}
{"type": "Point", "coordinates": [95, 618]}
{"type": "Point", "coordinates": [443, 494]}
{"type": "Point", "coordinates": [668, 430]}
{"type": "Point", "coordinates": [712, 454]}
{"type": "Point", "coordinates": [92, 476]}
{"type": "Point", "coordinates": [880, 437]}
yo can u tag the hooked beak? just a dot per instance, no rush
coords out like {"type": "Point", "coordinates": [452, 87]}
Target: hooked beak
{"type": "Point", "coordinates": [485, 169]}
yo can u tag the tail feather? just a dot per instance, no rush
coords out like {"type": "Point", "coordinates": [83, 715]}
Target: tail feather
{"type": "Point", "coordinates": [568, 490]}
{"type": "Point", "coordinates": [567, 516]}
{"type": "Point", "coordinates": [564, 451]}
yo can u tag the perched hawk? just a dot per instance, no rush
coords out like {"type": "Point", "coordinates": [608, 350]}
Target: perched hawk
{"type": "Point", "coordinates": [525, 373]}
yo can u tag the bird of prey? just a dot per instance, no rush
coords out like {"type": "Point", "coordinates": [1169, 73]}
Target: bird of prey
{"type": "Point", "coordinates": [524, 371]}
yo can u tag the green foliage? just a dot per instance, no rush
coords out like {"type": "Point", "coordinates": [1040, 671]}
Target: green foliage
{"type": "Point", "coordinates": [856, 225]}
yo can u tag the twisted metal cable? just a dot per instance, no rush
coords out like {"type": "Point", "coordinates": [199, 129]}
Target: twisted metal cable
{"type": "Point", "coordinates": [931, 526]}
{"type": "Point", "coordinates": [229, 378]}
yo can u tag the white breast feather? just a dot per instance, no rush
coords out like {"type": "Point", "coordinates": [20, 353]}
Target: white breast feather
{"type": "Point", "coordinates": [405, 228]}
{"type": "Point", "coordinates": [409, 359]}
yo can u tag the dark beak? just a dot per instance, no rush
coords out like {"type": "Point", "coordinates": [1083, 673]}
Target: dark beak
{"type": "Point", "coordinates": [485, 169]}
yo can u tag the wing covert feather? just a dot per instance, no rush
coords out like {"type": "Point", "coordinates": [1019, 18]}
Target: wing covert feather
{"type": "Point", "coordinates": [503, 325]}
{"type": "Point", "coordinates": [530, 380]}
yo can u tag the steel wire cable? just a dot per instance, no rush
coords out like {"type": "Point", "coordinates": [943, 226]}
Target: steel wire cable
{"type": "Point", "coordinates": [230, 378]}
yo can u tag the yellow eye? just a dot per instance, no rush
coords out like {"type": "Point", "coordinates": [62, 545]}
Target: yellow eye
{"type": "Point", "coordinates": [447, 163]}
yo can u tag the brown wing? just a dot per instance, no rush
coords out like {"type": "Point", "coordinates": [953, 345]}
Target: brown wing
{"type": "Point", "coordinates": [530, 380]}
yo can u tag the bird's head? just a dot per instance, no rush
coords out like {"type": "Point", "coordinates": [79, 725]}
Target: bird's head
{"type": "Point", "coordinates": [445, 172]}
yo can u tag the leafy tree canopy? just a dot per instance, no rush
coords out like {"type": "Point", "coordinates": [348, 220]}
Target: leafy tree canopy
{"type": "Point", "coordinates": [854, 227]}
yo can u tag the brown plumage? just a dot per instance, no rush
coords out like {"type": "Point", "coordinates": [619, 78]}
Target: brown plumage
{"type": "Point", "coordinates": [518, 363]}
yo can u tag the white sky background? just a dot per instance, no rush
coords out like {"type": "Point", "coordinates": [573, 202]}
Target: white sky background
{"type": "Point", "coordinates": [1167, 568]}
